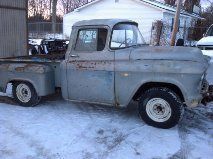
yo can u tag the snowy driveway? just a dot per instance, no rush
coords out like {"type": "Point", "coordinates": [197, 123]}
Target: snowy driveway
{"type": "Point", "coordinates": [64, 130]}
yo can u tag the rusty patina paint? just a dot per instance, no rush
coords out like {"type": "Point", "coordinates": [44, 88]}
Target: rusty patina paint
{"type": "Point", "coordinates": [91, 65]}
{"type": "Point", "coordinates": [30, 68]}
{"type": "Point", "coordinates": [4, 67]}
{"type": "Point", "coordinates": [19, 67]}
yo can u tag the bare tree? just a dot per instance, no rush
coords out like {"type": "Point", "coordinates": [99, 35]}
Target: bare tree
{"type": "Point", "coordinates": [202, 25]}
{"type": "Point", "coordinates": [54, 5]}
{"type": "Point", "coordinates": [67, 6]}
{"type": "Point", "coordinates": [38, 8]}
{"type": "Point", "coordinates": [189, 5]}
{"type": "Point", "coordinates": [170, 2]}
{"type": "Point", "coordinates": [70, 5]}
{"type": "Point", "coordinates": [49, 8]}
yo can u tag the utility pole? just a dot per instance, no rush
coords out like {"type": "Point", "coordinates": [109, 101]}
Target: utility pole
{"type": "Point", "coordinates": [176, 22]}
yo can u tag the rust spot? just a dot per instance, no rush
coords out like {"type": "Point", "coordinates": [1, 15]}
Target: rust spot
{"type": "Point", "coordinates": [88, 65]}
{"type": "Point", "coordinates": [19, 69]}
{"type": "Point", "coordinates": [5, 67]}
{"type": "Point", "coordinates": [23, 67]}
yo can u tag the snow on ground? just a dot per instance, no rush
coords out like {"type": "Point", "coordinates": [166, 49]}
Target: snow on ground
{"type": "Point", "coordinates": [64, 130]}
{"type": "Point", "coordinates": [210, 72]}
{"type": "Point", "coordinates": [208, 53]}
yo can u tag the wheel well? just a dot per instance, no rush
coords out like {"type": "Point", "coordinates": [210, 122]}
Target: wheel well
{"type": "Point", "coordinates": [14, 81]}
{"type": "Point", "coordinates": [149, 85]}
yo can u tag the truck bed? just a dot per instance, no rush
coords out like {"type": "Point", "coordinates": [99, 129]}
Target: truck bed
{"type": "Point", "coordinates": [52, 60]}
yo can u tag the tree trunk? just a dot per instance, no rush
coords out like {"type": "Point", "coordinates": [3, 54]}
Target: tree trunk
{"type": "Point", "coordinates": [54, 4]}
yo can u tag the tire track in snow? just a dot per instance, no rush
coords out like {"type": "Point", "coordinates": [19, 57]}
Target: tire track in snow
{"type": "Point", "coordinates": [39, 149]}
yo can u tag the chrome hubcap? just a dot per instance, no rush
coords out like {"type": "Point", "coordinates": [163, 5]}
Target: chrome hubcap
{"type": "Point", "coordinates": [158, 109]}
{"type": "Point", "coordinates": [23, 93]}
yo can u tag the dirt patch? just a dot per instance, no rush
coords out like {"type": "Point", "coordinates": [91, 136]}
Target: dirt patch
{"type": "Point", "coordinates": [7, 100]}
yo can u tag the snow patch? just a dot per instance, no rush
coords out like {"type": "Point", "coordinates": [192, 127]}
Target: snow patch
{"type": "Point", "coordinates": [8, 91]}
{"type": "Point", "coordinates": [65, 130]}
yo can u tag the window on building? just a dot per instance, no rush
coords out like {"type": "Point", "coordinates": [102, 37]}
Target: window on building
{"type": "Point", "coordinates": [91, 40]}
{"type": "Point", "coordinates": [173, 25]}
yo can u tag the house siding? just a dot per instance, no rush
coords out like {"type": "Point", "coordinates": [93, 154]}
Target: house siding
{"type": "Point", "coordinates": [185, 23]}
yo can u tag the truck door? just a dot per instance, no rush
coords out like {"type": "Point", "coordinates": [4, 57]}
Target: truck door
{"type": "Point", "coordinates": [90, 68]}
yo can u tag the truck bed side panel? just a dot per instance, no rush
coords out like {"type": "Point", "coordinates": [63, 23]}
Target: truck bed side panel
{"type": "Point", "coordinates": [40, 76]}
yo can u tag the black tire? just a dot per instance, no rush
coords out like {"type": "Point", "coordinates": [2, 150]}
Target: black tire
{"type": "Point", "coordinates": [173, 104]}
{"type": "Point", "coordinates": [33, 99]}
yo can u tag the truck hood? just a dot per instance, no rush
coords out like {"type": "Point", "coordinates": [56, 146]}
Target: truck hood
{"type": "Point", "coordinates": [167, 53]}
{"type": "Point", "coordinates": [206, 41]}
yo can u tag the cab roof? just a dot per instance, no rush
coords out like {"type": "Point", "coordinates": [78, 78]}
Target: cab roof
{"type": "Point", "coordinates": [107, 22]}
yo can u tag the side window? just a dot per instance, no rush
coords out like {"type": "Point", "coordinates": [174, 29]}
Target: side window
{"type": "Point", "coordinates": [91, 40]}
{"type": "Point", "coordinates": [125, 35]}
{"type": "Point", "coordinates": [121, 38]}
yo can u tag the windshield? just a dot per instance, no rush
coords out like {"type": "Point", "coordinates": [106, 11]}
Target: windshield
{"type": "Point", "coordinates": [126, 35]}
{"type": "Point", "coordinates": [210, 31]}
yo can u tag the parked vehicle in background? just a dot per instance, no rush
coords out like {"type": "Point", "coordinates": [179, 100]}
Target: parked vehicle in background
{"type": "Point", "coordinates": [107, 62]}
{"type": "Point", "coordinates": [206, 43]}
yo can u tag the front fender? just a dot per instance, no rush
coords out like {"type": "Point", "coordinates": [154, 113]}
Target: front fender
{"type": "Point", "coordinates": [165, 81]}
{"type": "Point", "coordinates": [187, 83]}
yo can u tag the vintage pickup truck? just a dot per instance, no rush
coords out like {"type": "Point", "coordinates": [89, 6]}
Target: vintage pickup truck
{"type": "Point", "coordinates": [108, 63]}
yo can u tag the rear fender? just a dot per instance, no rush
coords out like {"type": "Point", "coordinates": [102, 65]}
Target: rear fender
{"type": "Point", "coordinates": [40, 76]}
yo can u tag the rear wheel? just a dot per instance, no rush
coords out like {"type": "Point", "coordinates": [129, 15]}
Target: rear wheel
{"type": "Point", "coordinates": [25, 94]}
{"type": "Point", "coordinates": [160, 107]}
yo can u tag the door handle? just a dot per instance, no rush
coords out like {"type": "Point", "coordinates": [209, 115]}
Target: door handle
{"type": "Point", "coordinates": [74, 56]}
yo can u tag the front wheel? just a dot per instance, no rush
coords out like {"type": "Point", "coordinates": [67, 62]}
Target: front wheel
{"type": "Point", "coordinates": [160, 107]}
{"type": "Point", "coordinates": [25, 94]}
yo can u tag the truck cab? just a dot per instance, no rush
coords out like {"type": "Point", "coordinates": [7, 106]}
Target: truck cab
{"type": "Point", "coordinates": [91, 60]}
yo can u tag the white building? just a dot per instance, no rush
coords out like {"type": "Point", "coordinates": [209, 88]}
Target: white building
{"type": "Point", "coordinates": [145, 12]}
